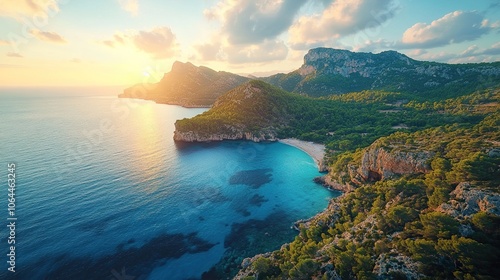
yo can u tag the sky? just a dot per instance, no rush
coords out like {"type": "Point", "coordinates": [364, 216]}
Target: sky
{"type": "Point", "coordinates": [124, 42]}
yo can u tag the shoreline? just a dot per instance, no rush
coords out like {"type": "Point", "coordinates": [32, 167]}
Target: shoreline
{"type": "Point", "coordinates": [314, 150]}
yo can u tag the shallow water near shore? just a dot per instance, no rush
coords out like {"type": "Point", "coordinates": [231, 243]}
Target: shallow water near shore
{"type": "Point", "coordinates": [104, 192]}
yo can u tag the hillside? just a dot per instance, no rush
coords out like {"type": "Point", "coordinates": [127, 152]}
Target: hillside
{"type": "Point", "coordinates": [437, 217]}
{"type": "Point", "coordinates": [258, 111]}
{"type": "Point", "coordinates": [421, 178]}
{"type": "Point", "coordinates": [187, 85]}
{"type": "Point", "coordinates": [331, 71]}
{"type": "Point", "coordinates": [253, 111]}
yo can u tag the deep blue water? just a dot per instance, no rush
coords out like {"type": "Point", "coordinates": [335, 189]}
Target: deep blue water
{"type": "Point", "coordinates": [103, 191]}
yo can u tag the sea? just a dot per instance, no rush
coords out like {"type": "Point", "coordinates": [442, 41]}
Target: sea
{"type": "Point", "coordinates": [103, 192]}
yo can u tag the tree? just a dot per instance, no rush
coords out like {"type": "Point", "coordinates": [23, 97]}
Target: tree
{"type": "Point", "coordinates": [438, 225]}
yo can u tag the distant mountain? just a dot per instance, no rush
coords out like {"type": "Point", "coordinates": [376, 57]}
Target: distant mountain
{"type": "Point", "coordinates": [331, 71]}
{"type": "Point", "coordinates": [327, 72]}
{"type": "Point", "coordinates": [187, 85]}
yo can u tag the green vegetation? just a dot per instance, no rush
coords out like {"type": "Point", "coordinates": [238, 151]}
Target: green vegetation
{"type": "Point", "coordinates": [416, 225]}
{"type": "Point", "coordinates": [393, 228]}
{"type": "Point", "coordinates": [344, 122]}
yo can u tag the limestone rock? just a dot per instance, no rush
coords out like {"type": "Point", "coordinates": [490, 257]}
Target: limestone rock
{"type": "Point", "coordinates": [466, 200]}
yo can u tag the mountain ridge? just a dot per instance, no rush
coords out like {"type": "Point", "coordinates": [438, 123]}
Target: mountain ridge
{"type": "Point", "coordinates": [327, 71]}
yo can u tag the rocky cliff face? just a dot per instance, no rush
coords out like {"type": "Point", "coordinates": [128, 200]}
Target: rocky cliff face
{"type": "Point", "coordinates": [193, 136]}
{"type": "Point", "coordinates": [378, 164]}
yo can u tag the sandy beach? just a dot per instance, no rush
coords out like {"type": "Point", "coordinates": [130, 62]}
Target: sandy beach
{"type": "Point", "coordinates": [316, 151]}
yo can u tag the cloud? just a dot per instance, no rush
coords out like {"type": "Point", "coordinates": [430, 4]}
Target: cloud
{"type": "Point", "coordinates": [494, 50]}
{"type": "Point", "coordinates": [455, 27]}
{"type": "Point", "coordinates": [471, 54]}
{"type": "Point", "coordinates": [251, 22]}
{"type": "Point", "coordinates": [19, 9]}
{"type": "Point", "coordinates": [159, 42]}
{"type": "Point", "coordinates": [218, 49]}
{"type": "Point", "coordinates": [117, 39]}
{"type": "Point", "coordinates": [14, 54]}
{"type": "Point", "coordinates": [4, 42]}
{"type": "Point", "coordinates": [340, 18]}
{"type": "Point", "coordinates": [267, 51]}
{"type": "Point", "coordinates": [209, 51]}
{"type": "Point", "coordinates": [47, 36]}
{"type": "Point", "coordinates": [131, 6]}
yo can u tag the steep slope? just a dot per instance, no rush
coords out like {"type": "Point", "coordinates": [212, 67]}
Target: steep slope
{"type": "Point", "coordinates": [187, 85]}
{"type": "Point", "coordinates": [331, 71]}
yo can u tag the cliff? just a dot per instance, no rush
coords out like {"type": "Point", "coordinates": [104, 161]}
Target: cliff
{"type": "Point", "coordinates": [235, 134]}
{"type": "Point", "coordinates": [187, 85]}
{"type": "Point", "coordinates": [379, 163]}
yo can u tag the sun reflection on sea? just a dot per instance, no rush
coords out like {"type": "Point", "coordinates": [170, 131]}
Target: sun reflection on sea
{"type": "Point", "coordinates": [146, 145]}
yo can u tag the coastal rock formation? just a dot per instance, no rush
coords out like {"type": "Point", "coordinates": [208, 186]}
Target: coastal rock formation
{"type": "Point", "coordinates": [378, 164]}
{"type": "Point", "coordinates": [194, 136]}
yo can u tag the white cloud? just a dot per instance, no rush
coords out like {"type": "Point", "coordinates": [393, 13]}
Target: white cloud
{"type": "Point", "coordinates": [210, 51]}
{"type": "Point", "coordinates": [270, 50]}
{"type": "Point", "coordinates": [252, 22]}
{"type": "Point", "coordinates": [131, 6]}
{"type": "Point", "coordinates": [340, 18]}
{"type": "Point", "coordinates": [219, 49]}
{"type": "Point", "coordinates": [493, 50]}
{"type": "Point", "coordinates": [471, 54]}
{"type": "Point", "coordinates": [46, 36]}
{"type": "Point", "coordinates": [455, 27]}
{"type": "Point", "coordinates": [159, 42]}
{"type": "Point", "coordinates": [19, 9]}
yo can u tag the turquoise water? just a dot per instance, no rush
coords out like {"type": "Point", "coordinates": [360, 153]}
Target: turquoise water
{"type": "Point", "coordinates": [103, 192]}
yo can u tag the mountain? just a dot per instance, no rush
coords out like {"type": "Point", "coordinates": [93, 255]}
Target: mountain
{"type": "Point", "coordinates": [187, 85]}
{"type": "Point", "coordinates": [326, 72]}
{"type": "Point", "coordinates": [329, 71]}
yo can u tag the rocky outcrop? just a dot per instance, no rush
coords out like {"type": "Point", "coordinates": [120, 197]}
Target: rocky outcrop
{"type": "Point", "coordinates": [330, 183]}
{"type": "Point", "coordinates": [467, 200]}
{"type": "Point", "coordinates": [193, 136]}
{"type": "Point", "coordinates": [378, 163]}
{"type": "Point", "coordinates": [387, 264]}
